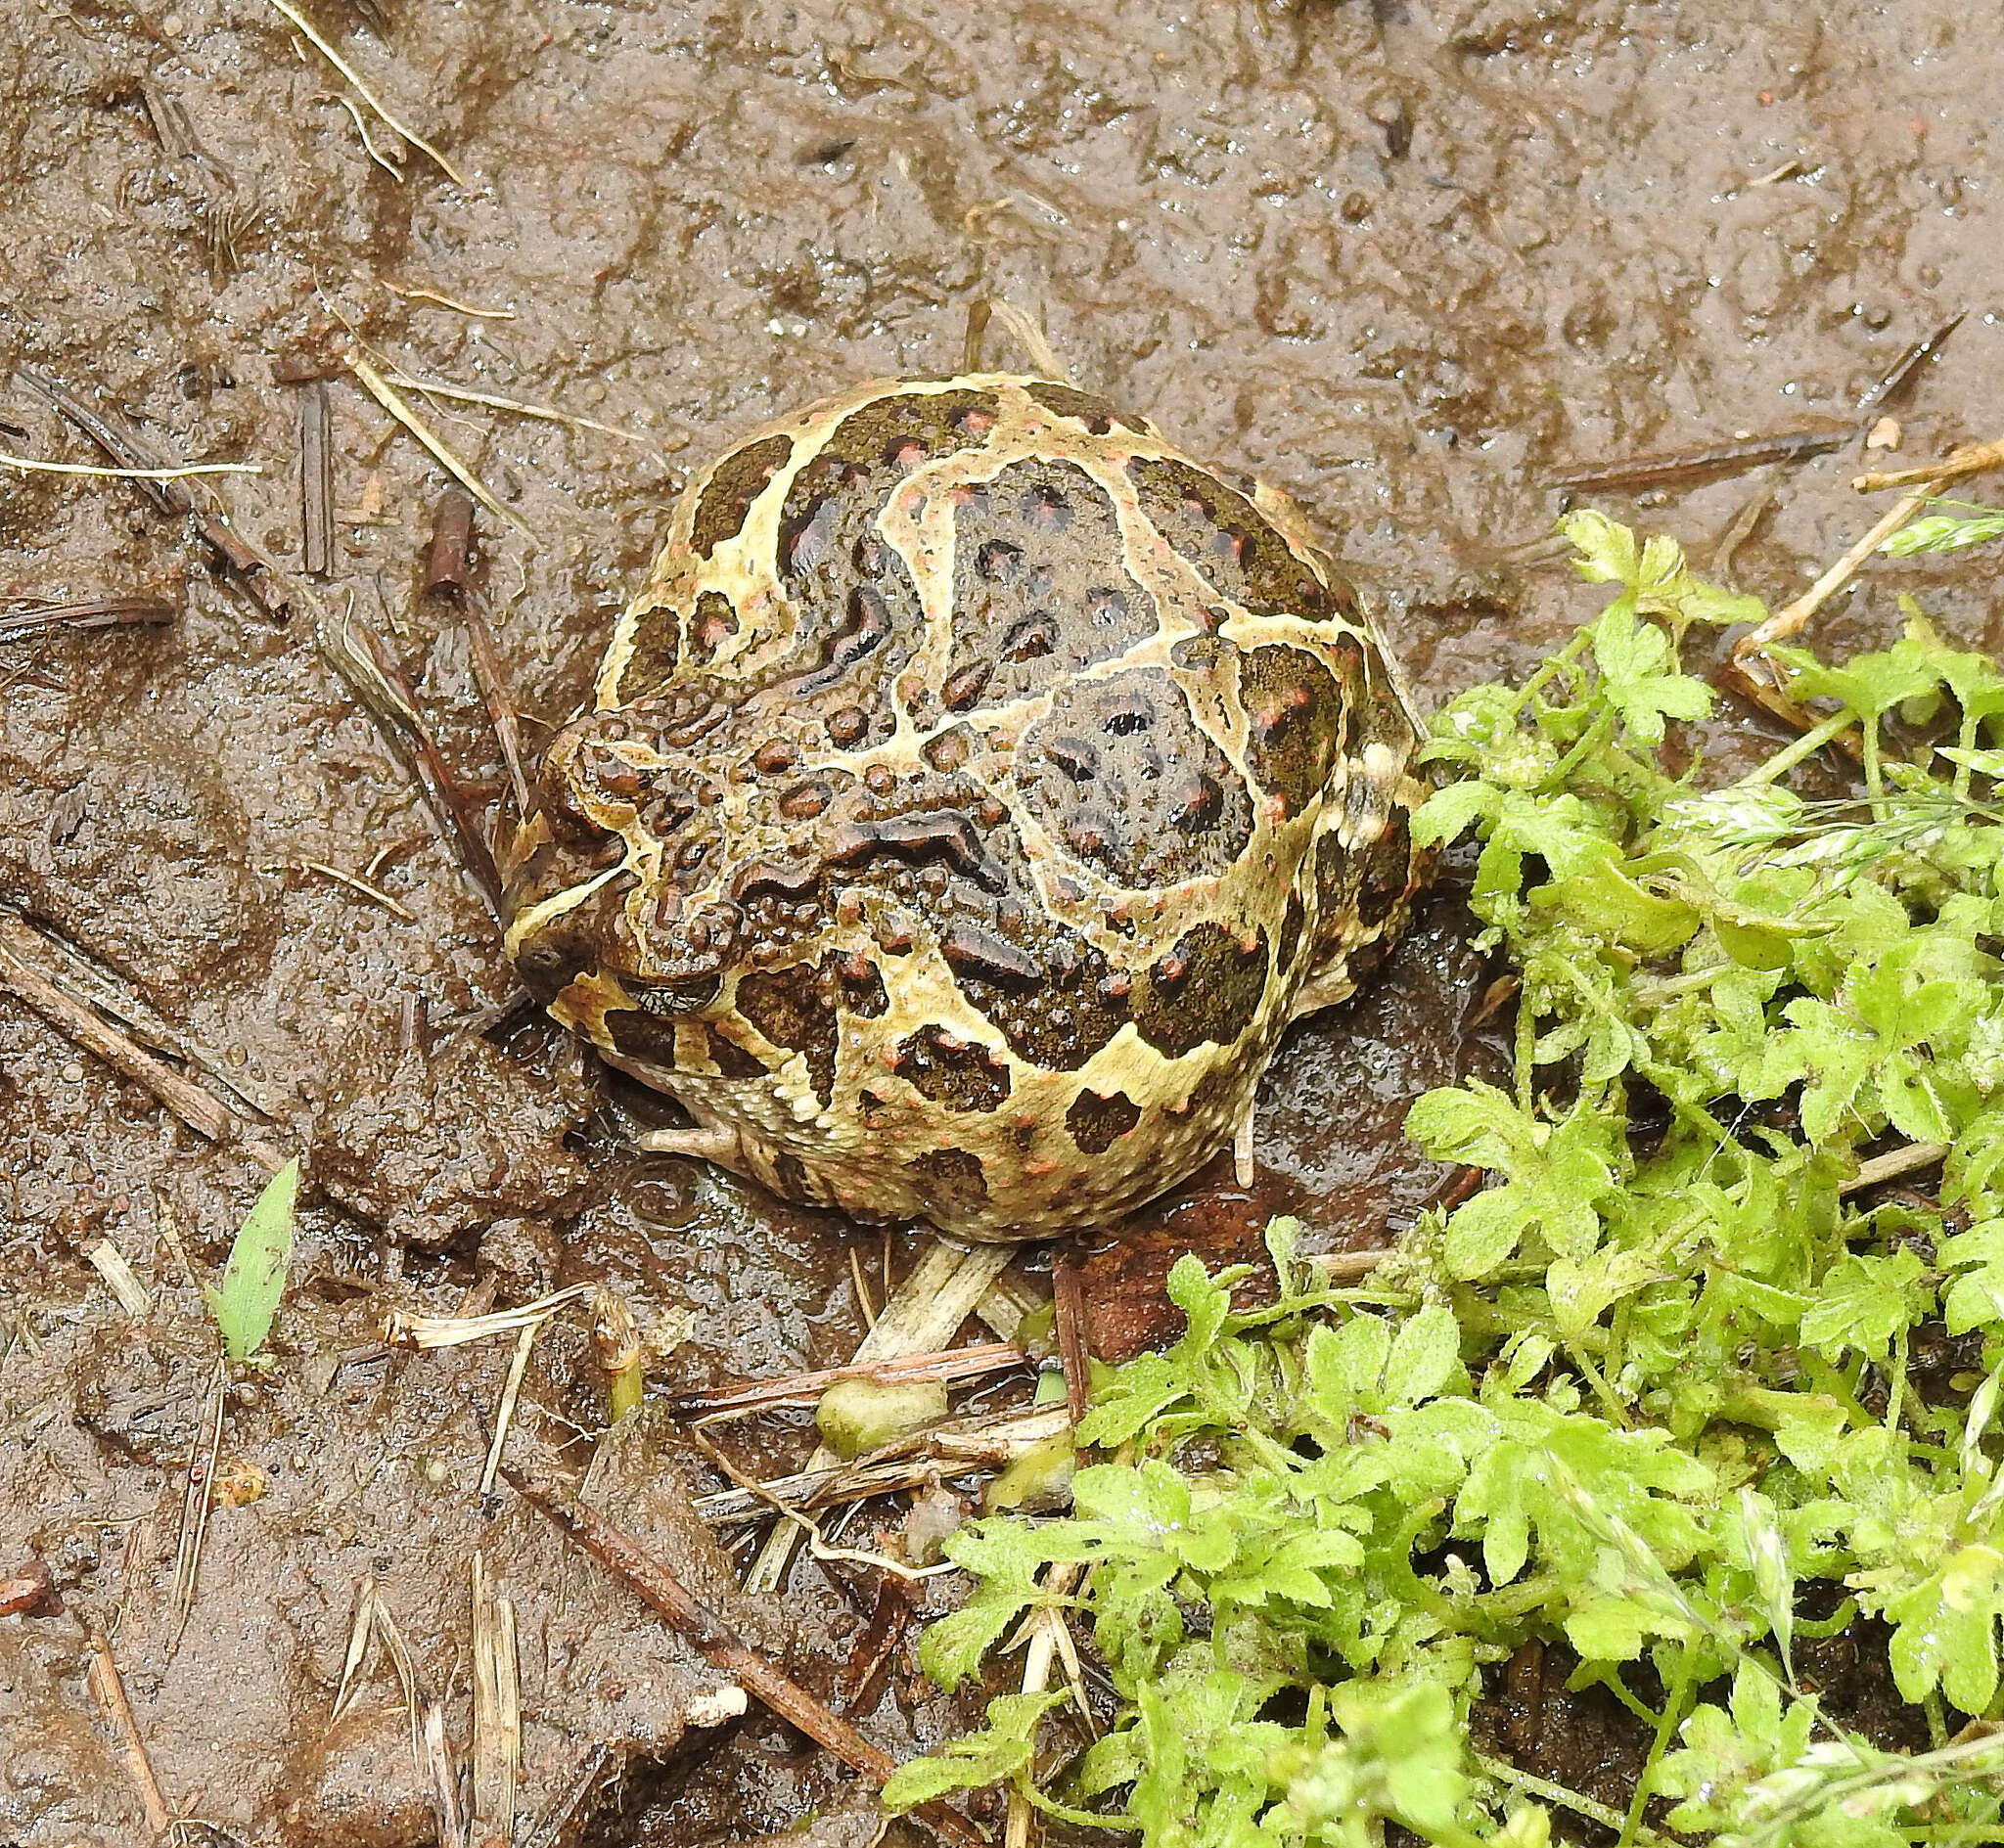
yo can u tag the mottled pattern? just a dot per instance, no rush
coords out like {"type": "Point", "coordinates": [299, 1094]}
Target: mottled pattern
{"type": "Point", "coordinates": [972, 794]}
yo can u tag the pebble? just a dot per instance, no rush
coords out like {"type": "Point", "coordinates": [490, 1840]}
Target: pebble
{"type": "Point", "coordinates": [72, 1073]}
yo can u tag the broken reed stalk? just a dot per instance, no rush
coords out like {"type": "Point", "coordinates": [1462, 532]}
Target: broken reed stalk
{"type": "Point", "coordinates": [187, 1101]}
{"type": "Point", "coordinates": [921, 1317]}
{"type": "Point", "coordinates": [651, 1580]}
{"type": "Point", "coordinates": [385, 394]}
{"type": "Point", "coordinates": [1067, 1293]}
{"type": "Point", "coordinates": [316, 481]}
{"type": "Point", "coordinates": [1970, 459]}
{"type": "Point", "coordinates": [32, 464]}
{"type": "Point", "coordinates": [1717, 459]}
{"type": "Point", "coordinates": [1789, 619]}
{"type": "Point", "coordinates": [956, 1363]}
{"type": "Point", "coordinates": [108, 1687]}
{"type": "Point", "coordinates": [99, 612]}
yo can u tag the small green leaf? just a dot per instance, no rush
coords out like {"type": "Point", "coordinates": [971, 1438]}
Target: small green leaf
{"type": "Point", "coordinates": [254, 1278]}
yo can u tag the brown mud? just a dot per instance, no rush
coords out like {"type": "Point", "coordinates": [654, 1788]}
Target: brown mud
{"type": "Point", "coordinates": [1409, 259]}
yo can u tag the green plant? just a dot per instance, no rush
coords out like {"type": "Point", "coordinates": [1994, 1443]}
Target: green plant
{"type": "Point", "coordinates": [1653, 1389]}
{"type": "Point", "coordinates": [255, 1278]}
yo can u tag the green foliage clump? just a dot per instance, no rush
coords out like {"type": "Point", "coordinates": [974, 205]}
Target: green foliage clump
{"type": "Point", "coordinates": [1657, 1389]}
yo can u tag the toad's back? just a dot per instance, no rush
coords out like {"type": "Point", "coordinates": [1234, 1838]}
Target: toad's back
{"type": "Point", "coordinates": [974, 790]}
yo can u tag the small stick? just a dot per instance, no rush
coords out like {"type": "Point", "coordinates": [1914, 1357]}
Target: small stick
{"type": "Point", "coordinates": [1346, 1267]}
{"type": "Point", "coordinates": [921, 1317]}
{"type": "Point", "coordinates": [101, 612]}
{"type": "Point", "coordinates": [1970, 459]}
{"type": "Point", "coordinates": [543, 412]}
{"type": "Point", "coordinates": [367, 96]}
{"type": "Point", "coordinates": [195, 1505]}
{"type": "Point", "coordinates": [493, 684]}
{"type": "Point", "coordinates": [657, 1586]}
{"type": "Point", "coordinates": [565, 1821]}
{"type": "Point", "coordinates": [162, 487]}
{"type": "Point", "coordinates": [188, 1102]}
{"type": "Point", "coordinates": [1789, 619]}
{"type": "Point", "coordinates": [497, 1710]}
{"type": "Point", "coordinates": [373, 893]}
{"type": "Point", "coordinates": [316, 482]}
{"type": "Point", "coordinates": [438, 299]}
{"type": "Point", "coordinates": [1068, 1288]}
{"type": "Point", "coordinates": [449, 563]}
{"type": "Point", "coordinates": [1904, 367]}
{"type": "Point", "coordinates": [1721, 459]}
{"type": "Point", "coordinates": [109, 1686]}
{"type": "Point", "coordinates": [511, 1390]}
{"type": "Point", "coordinates": [120, 1279]}
{"type": "Point", "coordinates": [384, 394]}
{"type": "Point", "coordinates": [957, 1362]}
{"type": "Point", "coordinates": [1893, 1164]}
{"type": "Point", "coordinates": [380, 683]}
{"type": "Point", "coordinates": [111, 436]}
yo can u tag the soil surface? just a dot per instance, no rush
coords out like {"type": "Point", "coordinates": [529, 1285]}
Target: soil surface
{"type": "Point", "coordinates": [1409, 259]}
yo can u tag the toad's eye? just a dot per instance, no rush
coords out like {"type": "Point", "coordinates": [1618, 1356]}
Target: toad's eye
{"type": "Point", "coordinates": [672, 998]}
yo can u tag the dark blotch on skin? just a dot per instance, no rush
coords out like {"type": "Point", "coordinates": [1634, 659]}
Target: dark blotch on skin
{"type": "Point", "coordinates": [1066, 1014]}
{"type": "Point", "coordinates": [1295, 711]}
{"type": "Point", "coordinates": [1096, 413]}
{"type": "Point", "coordinates": [1096, 1123]}
{"type": "Point", "coordinates": [732, 485]}
{"type": "Point", "coordinates": [787, 1006]}
{"type": "Point", "coordinates": [1290, 934]}
{"type": "Point", "coordinates": [860, 609]}
{"type": "Point", "coordinates": [657, 647]}
{"type": "Point", "coordinates": [1214, 994]}
{"type": "Point", "coordinates": [1387, 869]}
{"type": "Point", "coordinates": [1230, 542]}
{"type": "Point", "coordinates": [1039, 584]}
{"type": "Point", "coordinates": [950, 1071]}
{"type": "Point", "coordinates": [955, 1175]}
{"type": "Point", "coordinates": [715, 619]}
{"type": "Point", "coordinates": [1122, 776]}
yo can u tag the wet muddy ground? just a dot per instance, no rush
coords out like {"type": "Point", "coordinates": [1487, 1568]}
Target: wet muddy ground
{"type": "Point", "coordinates": [1410, 260]}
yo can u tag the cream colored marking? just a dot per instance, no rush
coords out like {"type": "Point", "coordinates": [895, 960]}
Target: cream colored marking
{"type": "Point", "coordinates": [1242, 1147]}
{"type": "Point", "coordinates": [528, 923]}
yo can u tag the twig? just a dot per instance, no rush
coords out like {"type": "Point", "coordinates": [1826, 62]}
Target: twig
{"type": "Point", "coordinates": [379, 683]}
{"type": "Point", "coordinates": [120, 1279]}
{"type": "Point", "coordinates": [403, 1330]}
{"type": "Point", "coordinates": [385, 394]}
{"type": "Point", "coordinates": [373, 893]}
{"type": "Point", "coordinates": [598, 1767]}
{"type": "Point", "coordinates": [1346, 1267]}
{"type": "Point", "coordinates": [511, 1390]}
{"type": "Point", "coordinates": [1893, 1164]}
{"type": "Point", "coordinates": [188, 1102]}
{"type": "Point", "coordinates": [1789, 619]}
{"type": "Point", "coordinates": [543, 412]}
{"type": "Point", "coordinates": [367, 96]}
{"type": "Point", "coordinates": [1970, 459]}
{"type": "Point", "coordinates": [101, 612]}
{"type": "Point", "coordinates": [164, 488]}
{"type": "Point", "coordinates": [195, 1503]}
{"type": "Point", "coordinates": [1908, 363]}
{"type": "Point", "coordinates": [909, 1463]}
{"type": "Point", "coordinates": [33, 466]}
{"type": "Point", "coordinates": [497, 1711]}
{"type": "Point", "coordinates": [1068, 1288]}
{"type": "Point", "coordinates": [1721, 459]}
{"type": "Point", "coordinates": [957, 1362]}
{"type": "Point", "coordinates": [921, 1317]}
{"type": "Point", "coordinates": [655, 1585]}
{"type": "Point", "coordinates": [109, 1686]}
{"type": "Point", "coordinates": [439, 299]}
{"type": "Point", "coordinates": [316, 481]}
